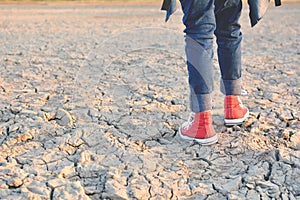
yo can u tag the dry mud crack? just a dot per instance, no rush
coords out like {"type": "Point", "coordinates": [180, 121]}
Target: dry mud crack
{"type": "Point", "coordinates": [92, 98]}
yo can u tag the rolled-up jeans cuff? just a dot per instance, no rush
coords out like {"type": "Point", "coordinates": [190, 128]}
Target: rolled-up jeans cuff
{"type": "Point", "coordinates": [231, 87]}
{"type": "Point", "coordinates": [200, 102]}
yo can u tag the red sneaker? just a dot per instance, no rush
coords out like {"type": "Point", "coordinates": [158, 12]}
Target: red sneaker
{"type": "Point", "coordinates": [199, 128]}
{"type": "Point", "coordinates": [235, 112]}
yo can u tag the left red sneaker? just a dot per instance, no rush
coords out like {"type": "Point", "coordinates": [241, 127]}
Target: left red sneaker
{"type": "Point", "coordinates": [199, 128]}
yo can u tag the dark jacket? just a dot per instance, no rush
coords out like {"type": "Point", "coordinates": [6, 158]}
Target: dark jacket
{"type": "Point", "coordinates": [257, 9]}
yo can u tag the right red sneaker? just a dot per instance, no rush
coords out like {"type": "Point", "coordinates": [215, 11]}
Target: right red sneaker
{"type": "Point", "coordinates": [235, 112]}
{"type": "Point", "coordinates": [199, 128]}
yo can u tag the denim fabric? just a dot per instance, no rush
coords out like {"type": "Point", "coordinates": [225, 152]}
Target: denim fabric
{"type": "Point", "coordinates": [170, 6]}
{"type": "Point", "coordinates": [257, 9]}
{"type": "Point", "coordinates": [203, 19]}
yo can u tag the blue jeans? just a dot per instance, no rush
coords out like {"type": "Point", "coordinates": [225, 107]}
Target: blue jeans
{"type": "Point", "coordinates": [203, 19]}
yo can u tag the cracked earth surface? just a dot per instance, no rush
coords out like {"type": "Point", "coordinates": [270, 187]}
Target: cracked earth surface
{"type": "Point", "coordinates": [92, 98]}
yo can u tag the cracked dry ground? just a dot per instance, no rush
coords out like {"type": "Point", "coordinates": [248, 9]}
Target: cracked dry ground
{"type": "Point", "coordinates": [92, 98]}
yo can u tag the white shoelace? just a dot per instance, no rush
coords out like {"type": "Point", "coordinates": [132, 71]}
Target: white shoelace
{"type": "Point", "coordinates": [244, 93]}
{"type": "Point", "coordinates": [186, 125]}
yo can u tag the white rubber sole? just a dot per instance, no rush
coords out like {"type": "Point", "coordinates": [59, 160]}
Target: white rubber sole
{"type": "Point", "coordinates": [232, 122]}
{"type": "Point", "coordinates": [206, 141]}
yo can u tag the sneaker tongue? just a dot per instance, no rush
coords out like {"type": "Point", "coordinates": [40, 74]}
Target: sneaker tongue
{"type": "Point", "coordinates": [191, 117]}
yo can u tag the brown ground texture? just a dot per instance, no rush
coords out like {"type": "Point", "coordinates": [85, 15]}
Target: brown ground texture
{"type": "Point", "coordinates": [92, 97]}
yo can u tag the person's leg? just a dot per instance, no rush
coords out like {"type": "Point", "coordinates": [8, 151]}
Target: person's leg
{"type": "Point", "coordinates": [199, 20]}
{"type": "Point", "coordinates": [229, 39]}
